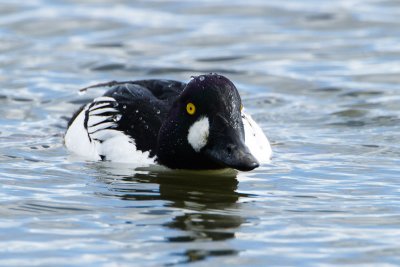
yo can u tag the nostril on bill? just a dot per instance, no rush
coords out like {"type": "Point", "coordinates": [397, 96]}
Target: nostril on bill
{"type": "Point", "coordinates": [229, 149]}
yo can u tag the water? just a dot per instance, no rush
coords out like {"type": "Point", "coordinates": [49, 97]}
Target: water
{"type": "Point", "coordinates": [321, 77]}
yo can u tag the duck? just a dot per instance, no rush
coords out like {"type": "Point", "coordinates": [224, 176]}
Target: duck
{"type": "Point", "coordinates": [198, 125]}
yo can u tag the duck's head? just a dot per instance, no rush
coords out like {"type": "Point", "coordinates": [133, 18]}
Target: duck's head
{"type": "Point", "coordinates": [204, 128]}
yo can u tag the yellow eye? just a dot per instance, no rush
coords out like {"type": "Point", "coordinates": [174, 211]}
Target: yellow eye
{"type": "Point", "coordinates": [241, 107]}
{"type": "Point", "coordinates": [190, 108]}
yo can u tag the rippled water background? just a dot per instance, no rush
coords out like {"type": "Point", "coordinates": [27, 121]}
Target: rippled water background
{"type": "Point", "coordinates": [321, 77]}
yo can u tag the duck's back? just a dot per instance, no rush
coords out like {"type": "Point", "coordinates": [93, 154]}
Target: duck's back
{"type": "Point", "coordinates": [123, 124]}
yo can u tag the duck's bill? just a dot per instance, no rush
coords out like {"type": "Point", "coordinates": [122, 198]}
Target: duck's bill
{"type": "Point", "coordinates": [236, 156]}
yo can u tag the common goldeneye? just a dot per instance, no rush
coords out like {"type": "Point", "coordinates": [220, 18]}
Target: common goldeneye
{"type": "Point", "coordinates": [198, 125]}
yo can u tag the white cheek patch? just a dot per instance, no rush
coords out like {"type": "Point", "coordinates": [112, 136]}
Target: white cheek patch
{"type": "Point", "coordinates": [198, 133]}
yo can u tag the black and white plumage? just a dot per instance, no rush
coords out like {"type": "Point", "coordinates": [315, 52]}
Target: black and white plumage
{"type": "Point", "coordinates": [199, 125]}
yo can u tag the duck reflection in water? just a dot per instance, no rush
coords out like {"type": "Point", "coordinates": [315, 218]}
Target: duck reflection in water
{"type": "Point", "coordinates": [208, 204]}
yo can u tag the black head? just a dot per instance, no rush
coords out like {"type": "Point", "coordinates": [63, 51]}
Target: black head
{"type": "Point", "coordinates": [204, 128]}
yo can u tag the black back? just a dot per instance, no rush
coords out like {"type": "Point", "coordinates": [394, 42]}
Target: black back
{"type": "Point", "coordinates": [143, 106]}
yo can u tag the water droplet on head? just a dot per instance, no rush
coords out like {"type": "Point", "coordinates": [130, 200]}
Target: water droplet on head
{"type": "Point", "coordinates": [158, 111]}
{"type": "Point", "coordinates": [137, 111]}
{"type": "Point", "coordinates": [201, 78]}
{"type": "Point", "coordinates": [146, 126]}
{"type": "Point", "coordinates": [140, 118]}
{"type": "Point", "coordinates": [117, 117]}
{"type": "Point", "coordinates": [124, 106]}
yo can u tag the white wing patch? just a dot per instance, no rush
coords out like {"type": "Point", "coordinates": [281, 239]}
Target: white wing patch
{"type": "Point", "coordinates": [77, 138]}
{"type": "Point", "coordinates": [256, 140]}
{"type": "Point", "coordinates": [100, 138]}
{"type": "Point", "coordinates": [198, 133]}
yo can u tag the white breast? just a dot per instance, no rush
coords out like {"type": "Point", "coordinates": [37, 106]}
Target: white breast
{"type": "Point", "coordinates": [256, 140]}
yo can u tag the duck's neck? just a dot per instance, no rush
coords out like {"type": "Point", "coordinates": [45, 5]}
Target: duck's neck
{"type": "Point", "coordinates": [174, 150]}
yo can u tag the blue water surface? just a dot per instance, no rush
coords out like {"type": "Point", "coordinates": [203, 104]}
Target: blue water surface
{"type": "Point", "coordinates": [322, 78]}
